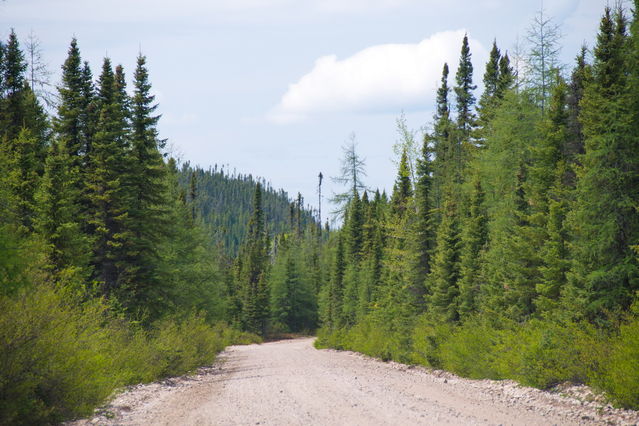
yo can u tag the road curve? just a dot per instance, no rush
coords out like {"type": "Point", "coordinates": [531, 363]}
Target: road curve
{"type": "Point", "coordinates": [291, 383]}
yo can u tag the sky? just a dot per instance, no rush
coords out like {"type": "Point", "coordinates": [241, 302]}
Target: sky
{"type": "Point", "coordinates": [275, 88]}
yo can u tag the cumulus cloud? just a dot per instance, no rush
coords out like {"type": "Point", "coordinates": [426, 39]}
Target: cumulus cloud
{"type": "Point", "coordinates": [379, 78]}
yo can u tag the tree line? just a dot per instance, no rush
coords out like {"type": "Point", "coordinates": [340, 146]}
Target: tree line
{"type": "Point", "coordinates": [507, 248]}
{"type": "Point", "coordinates": [108, 275]}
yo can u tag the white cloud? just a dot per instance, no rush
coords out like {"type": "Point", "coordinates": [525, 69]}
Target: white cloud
{"type": "Point", "coordinates": [385, 77]}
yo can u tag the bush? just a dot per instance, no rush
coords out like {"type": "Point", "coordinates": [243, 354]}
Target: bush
{"type": "Point", "coordinates": [471, 350]}
{"type": "Point", "coordinates": [428, 336]}
{"type": "Point", "coordinates": [60, 359]}
{"type": "Point", "coordinates": [543, 353]}
{"type": "Point", "coordinates": [55, 357]}
{"type": "Point", "coordinates": [620, 376]}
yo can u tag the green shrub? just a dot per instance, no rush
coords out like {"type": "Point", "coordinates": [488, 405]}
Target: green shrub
{"type": "Point", "coordinates": [60, 359]}
{"type": "Point", "coordinates": [542, 353]}
{"type": "Point", "coordinates": [471, 350]}
{"type": "Point", "coordinates": [428, 336]}
{"type": "Point", "coordinates": [55, 358]}
{"type": "Point", "coordinates": [620, 376]}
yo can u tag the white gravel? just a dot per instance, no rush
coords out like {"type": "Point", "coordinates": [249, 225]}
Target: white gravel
{"type": "Point", "coordinates": [291, 383]}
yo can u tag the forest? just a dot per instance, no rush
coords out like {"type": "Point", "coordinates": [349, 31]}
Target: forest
{"type": "Point", "coordinates": [507, 248]}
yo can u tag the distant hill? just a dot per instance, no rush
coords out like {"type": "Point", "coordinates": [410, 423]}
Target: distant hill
{"type": "Point", "coordinates": [223, 201]}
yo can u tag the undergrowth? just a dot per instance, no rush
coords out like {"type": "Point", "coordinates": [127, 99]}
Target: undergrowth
{"type": "Point", "coordinates": [539, 353]}
{"type": "Point", "coordinates": [61, 359]}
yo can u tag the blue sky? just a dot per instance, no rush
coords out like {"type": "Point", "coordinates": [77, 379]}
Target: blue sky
{"type": "Point", "coordinates": [275, 87]}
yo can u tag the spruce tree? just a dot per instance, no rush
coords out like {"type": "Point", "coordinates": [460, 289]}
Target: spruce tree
{"type": "Point", "coordinates": [252, 264]}
{"type": "Point", "coordinates": [423, 240]}
{"type": "Point", "coordinates": [474, 237]}
{"type": "Point", "coordinates": [58, 218]}
{"type": "Point", "coordinates": [604, 220]}
{"type": "Point", "coordinates": [444, 146]}
{"type": "Point", "coordinates": [336, 288]}
{"type": "Point", "coordinates": [353, 228]}
{"type": "Point", "coordinates": [444, 277]}
{"type": "Point", "coordinates": [491, 77]}
{"type": "Point", "coordinates": [574, 147]}
{"type": "Point", "coordinates": [403, 189]}
{"type": "Point", "coordinates": [69, 124]}
{"type": "Point", "coordinates": [146, 181]}
{"type": "Point", "coordinates": [24, 180]}
{"type": "Point", "coordinates": [465, 100]}
{"type": "Point", "coordinates": [15, 66]}
{"type": "Point", "coordinates": [506, 76]}
{"type": "Point", "coordinates": [107, 198]}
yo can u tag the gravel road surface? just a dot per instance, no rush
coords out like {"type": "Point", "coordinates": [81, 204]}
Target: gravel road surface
{"type": "Point", "coordinates": [291, 383]}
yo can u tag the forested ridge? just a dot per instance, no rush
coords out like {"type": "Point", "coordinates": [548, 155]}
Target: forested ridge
{"type": "Point", "coordinates": [506, 249]}
{"type": "Point", "coordinates": [223, 200]}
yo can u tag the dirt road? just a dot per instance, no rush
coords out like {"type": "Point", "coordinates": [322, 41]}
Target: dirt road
{"type": "Point", "coordinates": [290, 382]}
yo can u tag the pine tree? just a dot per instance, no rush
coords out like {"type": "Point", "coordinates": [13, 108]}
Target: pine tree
{"type": "Point", "coordinates": [549, 190]}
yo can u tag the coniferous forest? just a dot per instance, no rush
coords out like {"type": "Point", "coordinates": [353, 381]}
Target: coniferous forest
{"type": "Point", "coordinates": [508, 247]}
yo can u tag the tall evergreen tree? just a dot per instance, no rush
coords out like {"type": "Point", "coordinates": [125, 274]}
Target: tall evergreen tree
{"type": "Point", "coordinates": [605, 221]}
{"type": "Point", "coordinates": [146, 181]}
{"type": "Point", "coordinates": [575, 144]}
{"type": "Point", "coordinates": [24, 165]}
{"type": "Point", "coordinates": [353, 228]}
{"type": "Point", "coordinates": [444, 145]}
{"type": "Point", "coordinates": [401, 200]}
{"type": "Point", "coordinates": [70, 123]}
{"type": "Point", "coordinates": [15, 66]}
{"type": "Point", "coordinates": [491, 94]}
{"type": "Point", "coordinates": [465, 99]}
{"type": "Point", "coordinates": [507, 76]}
{"type": "Point", "coordinates": [108, 200]}
{"type": "Point", "coordinates": [334, 319]}
{"type": "Point", "coordinates": [491, 77]}
{"type": "Point", "coordinates": [58, 219]}
{"type": "Point", "coordinates": [443, 300]}
{"type": "Point", "coordinates": [474, 237]}
{"type": "Point", "coordinates": [252, 269]}
{"type": "Point", "coordinates": [423, 241]}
